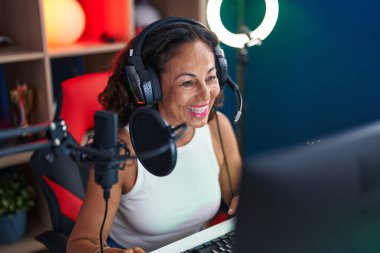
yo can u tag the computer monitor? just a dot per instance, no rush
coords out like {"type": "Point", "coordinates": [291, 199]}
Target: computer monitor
{"type": "Point", "coordinates": [322, 198]}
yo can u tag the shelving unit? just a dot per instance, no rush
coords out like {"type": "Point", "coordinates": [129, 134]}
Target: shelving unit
{"type": "Point", "coordinates": [38, 222]}
{"type": "Point", "coordinates": [30, 60]}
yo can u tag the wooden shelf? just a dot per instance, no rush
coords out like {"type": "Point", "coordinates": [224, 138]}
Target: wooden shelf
{"type": "Point", "coordinates": [15, 159]}
{"type": "Point", "coordinates": [85, 48]}
{"type": "Point", "coordinates": [17, 54]}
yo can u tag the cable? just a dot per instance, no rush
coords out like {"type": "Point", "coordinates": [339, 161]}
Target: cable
{"type": "Point", "coordinates": [224, 157]}
{"type": "Point", "coordinates": [106, 198]}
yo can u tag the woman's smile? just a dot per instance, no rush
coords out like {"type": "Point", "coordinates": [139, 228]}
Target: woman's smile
{"type": "Point", "coordinates": [199, 111]}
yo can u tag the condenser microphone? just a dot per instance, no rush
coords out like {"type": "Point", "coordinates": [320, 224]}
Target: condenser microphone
{"type": "Point", "coordinates": [154, 141]}
{"type": "Point", "coordinates": [106, 143]}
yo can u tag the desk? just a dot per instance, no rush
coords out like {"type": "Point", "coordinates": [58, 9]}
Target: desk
{"type": "Point", "coordinates": [198, 238]}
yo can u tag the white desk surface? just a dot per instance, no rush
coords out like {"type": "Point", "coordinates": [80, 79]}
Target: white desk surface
{"type": "Point", "coordinates": [198, 238]}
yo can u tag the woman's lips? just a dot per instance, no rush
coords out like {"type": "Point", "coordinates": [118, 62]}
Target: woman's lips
{"type": "Point", "coordinates": [198, 111]}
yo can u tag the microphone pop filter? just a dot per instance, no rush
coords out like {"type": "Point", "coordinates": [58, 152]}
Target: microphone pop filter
{"type": "Point", "coordinates": [153, 141]}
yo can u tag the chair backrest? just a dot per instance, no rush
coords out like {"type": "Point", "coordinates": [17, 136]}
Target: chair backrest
{"type": "Point", "coordinates": [61, 179]}
{"type": "Point", "coordinates": [60, 174]}
{"type": "Point", "coordinates": [80, 101]}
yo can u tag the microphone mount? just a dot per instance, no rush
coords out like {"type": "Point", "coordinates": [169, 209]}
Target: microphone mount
{"type": "Point", "coordinates": [56, 136]}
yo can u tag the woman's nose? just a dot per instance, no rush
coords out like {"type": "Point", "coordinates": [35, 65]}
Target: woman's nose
{"type": "Point", "coordinates": [203, 91]}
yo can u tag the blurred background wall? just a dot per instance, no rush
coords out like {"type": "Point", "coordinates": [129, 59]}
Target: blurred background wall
{"type": "Point", "coordinates": [316, 74]}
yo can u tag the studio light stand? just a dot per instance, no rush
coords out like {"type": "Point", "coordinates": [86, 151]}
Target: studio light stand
{"type": "Point", "coordinates": [243, 40]}
{"type": "Point", "coordinates": [242, 60]}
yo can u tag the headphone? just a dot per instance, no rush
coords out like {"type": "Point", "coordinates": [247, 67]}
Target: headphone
{"type": "Point", "coordinates": [143, 81]}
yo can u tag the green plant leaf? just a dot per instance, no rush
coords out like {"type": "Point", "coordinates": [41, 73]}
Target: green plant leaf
{"type": "Point", "coordinates": [16, 193]}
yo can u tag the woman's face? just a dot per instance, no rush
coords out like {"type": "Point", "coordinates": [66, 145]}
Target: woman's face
{"type": "Point", "coordinates": [189, 85]}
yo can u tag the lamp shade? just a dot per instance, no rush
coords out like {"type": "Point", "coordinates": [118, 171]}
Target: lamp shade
{"type": "Point", "coordinates": [64, 21]}
{"type": "Point", "coordinates": [240, 40]}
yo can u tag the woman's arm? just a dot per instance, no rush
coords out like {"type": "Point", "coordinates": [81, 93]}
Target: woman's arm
{"type": "Point", "coordinates": [230, 165]}
{"type": "Point", "coordinates": [85, 235]}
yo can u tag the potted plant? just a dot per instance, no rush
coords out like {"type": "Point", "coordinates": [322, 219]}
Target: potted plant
{"type": "Point", "coordinates": [17, 196]}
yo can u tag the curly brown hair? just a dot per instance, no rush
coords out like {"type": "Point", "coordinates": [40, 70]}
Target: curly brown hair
{"type": "Point", "coordinates": [160, 45]}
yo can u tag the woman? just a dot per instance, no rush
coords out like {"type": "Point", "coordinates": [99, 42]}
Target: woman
{"type": "Point", "coordinates": [147, 212]}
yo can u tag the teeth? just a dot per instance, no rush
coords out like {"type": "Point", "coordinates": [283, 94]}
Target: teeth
{"type": "Point", "coordinates": [197, 109]}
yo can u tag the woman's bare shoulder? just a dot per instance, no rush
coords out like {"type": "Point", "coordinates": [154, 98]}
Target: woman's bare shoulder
{"type": "Point", "coordinates": [128, 173]}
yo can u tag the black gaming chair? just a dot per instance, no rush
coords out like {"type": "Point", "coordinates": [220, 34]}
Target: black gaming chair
{"type": "Point", "coordinates": [62, 180]}
{"type": "Point", "coordinates": [59, 171]}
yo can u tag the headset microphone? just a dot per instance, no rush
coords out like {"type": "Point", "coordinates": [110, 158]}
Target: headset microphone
{"type": "Point", "coordinates": [235, 88]}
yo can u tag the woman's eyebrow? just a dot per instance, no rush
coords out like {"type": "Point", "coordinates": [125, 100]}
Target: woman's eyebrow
{"type": "Point", "coordinates": [185, 74]}
{"type": "Point", "coordinates": [211, 69]}
{"type": "Point", "coordinates": [192, 74]}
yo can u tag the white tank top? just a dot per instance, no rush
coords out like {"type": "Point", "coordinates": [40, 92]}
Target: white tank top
{"type": "Point", "coordinates": [161, 210]}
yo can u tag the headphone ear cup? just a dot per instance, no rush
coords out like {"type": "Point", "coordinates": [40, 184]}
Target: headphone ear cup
{"type": "Point", "coordinates": [134, 84]}
{"type": "Point", "coordinates": [145, 87]}
{"type": "Point", "coordinates": [221, 65]}
{"type": "Point", "coordinates": [156, 85]}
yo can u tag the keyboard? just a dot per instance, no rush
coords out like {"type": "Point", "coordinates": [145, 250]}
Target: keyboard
{"type": "Point", "coordinates": [204, 237]}
{"type": "Point", "coordinates": [222, 243]}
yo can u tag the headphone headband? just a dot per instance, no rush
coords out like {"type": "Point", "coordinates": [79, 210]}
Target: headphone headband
{"type": "Point", "coordinates": [139, 40]}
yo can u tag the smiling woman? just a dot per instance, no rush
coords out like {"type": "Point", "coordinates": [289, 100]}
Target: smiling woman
{"type": "Point", "coordinates": [176, 66]}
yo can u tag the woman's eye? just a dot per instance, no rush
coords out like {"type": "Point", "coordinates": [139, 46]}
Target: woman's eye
{"type": "Point", "coordinates": [187, 84]}
{"type": "Point", "coordinates": [211, 78]}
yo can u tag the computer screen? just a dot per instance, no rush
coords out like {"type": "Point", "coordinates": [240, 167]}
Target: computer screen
{"type": "Point", "coordinates": [321, 198]}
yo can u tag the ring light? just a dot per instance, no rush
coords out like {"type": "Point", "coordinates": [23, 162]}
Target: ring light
{"type": "Point", "coordinates": [240, 40]}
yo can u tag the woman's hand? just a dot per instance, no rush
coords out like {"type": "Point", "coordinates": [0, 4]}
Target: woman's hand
{"type": "Point", "coordinates": [130, 250]}
{"type": "Point", "coordinates": [134, 250]}
{"type": "Point", "coordinates": [233, 205]}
